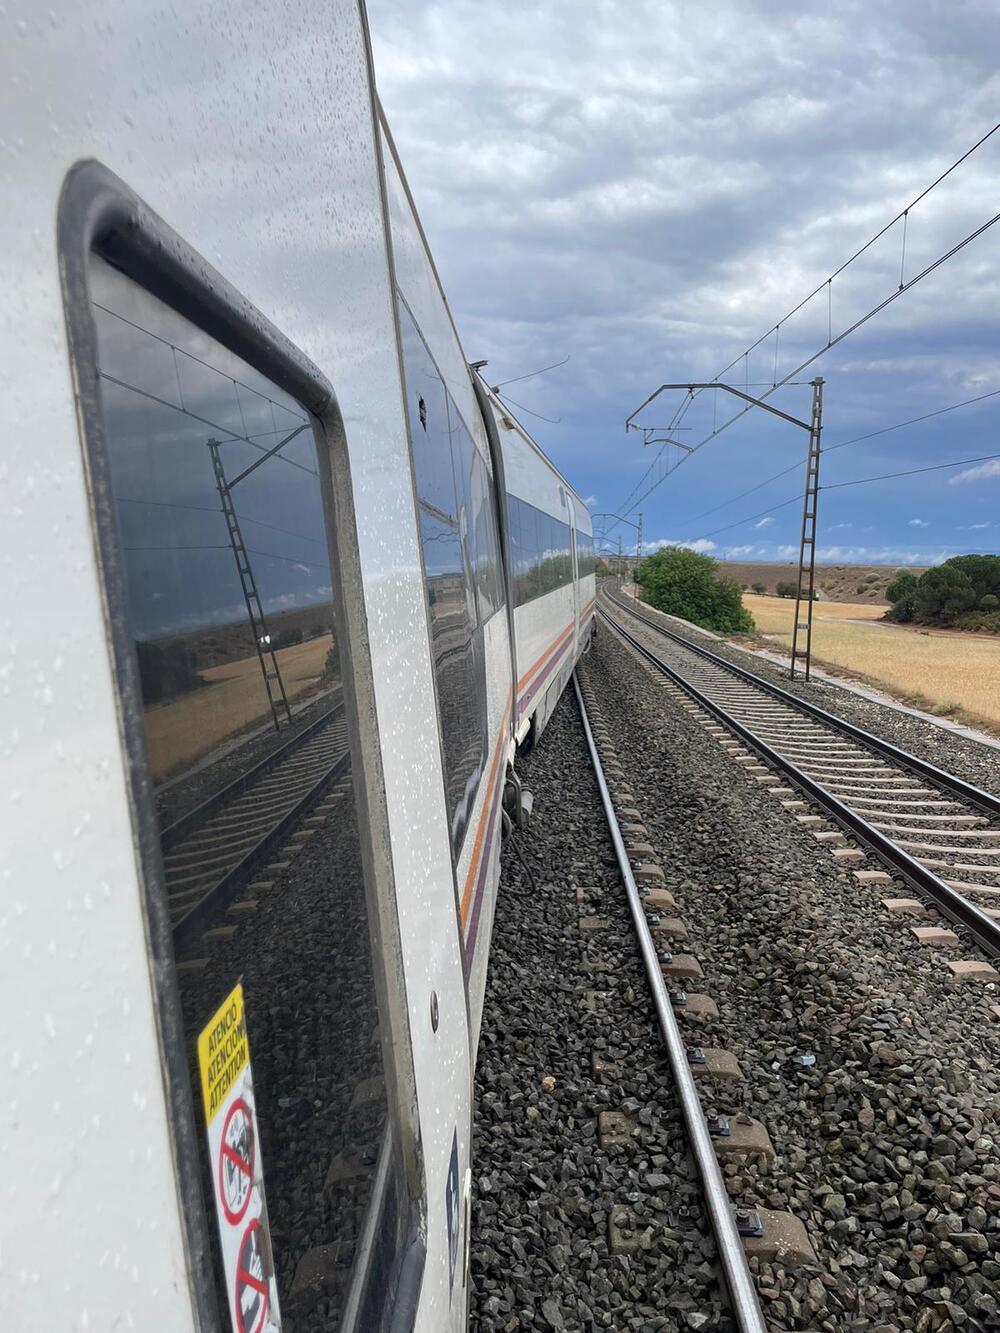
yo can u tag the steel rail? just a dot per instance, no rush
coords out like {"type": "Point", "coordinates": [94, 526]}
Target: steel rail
{"type": "Point", "coordinates": [186, 824]}
{"type": "Point", "coordinates": [957, 786]}
{"type": "Point", "coordinates": [732, 1256]}
{"type": "Point", "coordinates": [195, 919]}
{"type": "Point", "coordinates": [983, 928]}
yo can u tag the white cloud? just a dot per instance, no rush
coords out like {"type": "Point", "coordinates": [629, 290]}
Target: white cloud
{"type": "Point", "coordinates": [764, 523]}
{"type": "Point", "coordinates": [974, 527]}
{"type": "Point", "coordinates": [736, 552]}
{"type": "Point", "coordinates": [883, 555]}
{"type": "Point", "coordinates": [839, 527]}
{"type": "Point", "coordinates": [978, 473]}
{"type": "Point", "coordinates": [701, 544]}
{"type": "Point", "coordinates": [918, 523]}
{"type": "Point", "coordinates": [590, 500]}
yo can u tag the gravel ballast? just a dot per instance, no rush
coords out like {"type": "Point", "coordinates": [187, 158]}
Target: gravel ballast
{"type": "Point", "coordinates": [544, 1186]}
{"type": "Point", "coordinates": [876, 1074]}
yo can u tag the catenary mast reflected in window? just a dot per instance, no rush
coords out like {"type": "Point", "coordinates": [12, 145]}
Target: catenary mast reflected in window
{"type": "Point", "coordinates": [221, 500]}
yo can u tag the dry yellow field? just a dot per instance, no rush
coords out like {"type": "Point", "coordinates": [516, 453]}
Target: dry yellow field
{"type": "Point", "coordinates": [938, 670]}
{"type": "Point", "coordinates": [180, 731]}
{"type": "Point", "coordinates": [773, 615]}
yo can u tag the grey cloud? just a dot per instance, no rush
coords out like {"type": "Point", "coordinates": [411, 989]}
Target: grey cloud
{"type": "Point", "coordinates": [646, 187]}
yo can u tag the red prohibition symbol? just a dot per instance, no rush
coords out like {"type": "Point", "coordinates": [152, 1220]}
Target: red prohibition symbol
{"type": "Point", "coordinates": [251, 1286]}
{"type": "Point", "coordinates": [236, 1159]}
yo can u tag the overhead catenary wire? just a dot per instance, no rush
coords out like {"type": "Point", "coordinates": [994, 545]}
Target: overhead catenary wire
{"type": "Point", "coordinates": [210, 509]}
{"type": "Point", "coordinates": [634, 499]}
{"type": "Point", "coordinates": [910, 472]}
{"type": "Point", "coordinates": [903, 213]}
{"type": "Point", "coordinates": [857, 481]}
{"type": "Point", "coordinates": [204, 421]}
{"type": "Point", "coordinates": [842, 444]}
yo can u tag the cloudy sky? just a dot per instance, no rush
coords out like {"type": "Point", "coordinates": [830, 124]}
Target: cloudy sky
{"type": "Point", "coordinates": [648, 187]}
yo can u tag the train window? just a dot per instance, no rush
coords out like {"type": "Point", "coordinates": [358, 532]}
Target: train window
{"type": "Point", "coordinates": [221, 494]}
{"type": "Point", "coordinates": [443, 457]}
{"type": "Point", "coordinates": [486, 546]}
{"type": "Point", "coordinates": [584, 553]}
{"type": "Point", "coordinates": [540, 551]}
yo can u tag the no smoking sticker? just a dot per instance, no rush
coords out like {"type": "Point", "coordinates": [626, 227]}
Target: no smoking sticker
{"type": "Point", "coordinates": [236, 1157]}
{"type": "Point", "coordinates": [240, 1202]}
{"type": "Point", "coordinates": [252, 1295]}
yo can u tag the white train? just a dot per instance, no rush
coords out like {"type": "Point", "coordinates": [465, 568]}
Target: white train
{"type": "Point", "coordinates": [285, 588]}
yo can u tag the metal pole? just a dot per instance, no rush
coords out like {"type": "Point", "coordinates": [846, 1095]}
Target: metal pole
{"type": "Point", "coordinates": [251, 595]}
{"type": "Point", "coordinates": [807, 545]}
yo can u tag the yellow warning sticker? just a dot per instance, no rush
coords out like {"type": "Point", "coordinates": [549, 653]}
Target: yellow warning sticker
{"type": "Point", "coordinates": [223, 1052]}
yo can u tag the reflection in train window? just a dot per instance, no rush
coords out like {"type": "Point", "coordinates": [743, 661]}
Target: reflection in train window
{"type": "Point", "coordinates": [221, 499]}
{"type": "Point", "coordinates": [461, 567]}
{"type": "Point", "coordinates": [584, 553]}
{"type": "Point", "coordinates": [540, 551]}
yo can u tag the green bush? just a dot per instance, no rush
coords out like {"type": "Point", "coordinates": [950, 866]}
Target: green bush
{"type": "Point", "coordinates": [787, 588]}
{"type": "Point", "coordinates": [759, 587]}
{"type": "Point", "coordinates": [986, 620]}
{"type": "Point", "coordinates": [683, 583]}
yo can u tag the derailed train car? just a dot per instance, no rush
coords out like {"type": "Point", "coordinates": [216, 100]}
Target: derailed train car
{"type": "Point", "coordinates": [287, 587]}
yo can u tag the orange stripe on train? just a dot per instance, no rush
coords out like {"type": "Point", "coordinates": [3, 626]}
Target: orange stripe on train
{"type": "Point", "coordinates": [470, 877]}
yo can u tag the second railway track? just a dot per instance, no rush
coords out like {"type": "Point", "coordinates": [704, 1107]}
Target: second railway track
{"type": "Point", "coordinates": [940, 834]}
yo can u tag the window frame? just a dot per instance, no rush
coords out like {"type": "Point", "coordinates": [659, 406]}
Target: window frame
{"type": "Point", "coordinates": [99, 214]}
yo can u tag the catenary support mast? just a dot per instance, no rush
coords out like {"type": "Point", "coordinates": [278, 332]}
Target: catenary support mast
{"type": "Point", "coordinates": [806, 587]}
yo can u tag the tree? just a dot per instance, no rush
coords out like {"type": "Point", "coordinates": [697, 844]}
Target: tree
{"type": "Point", "coordinates": [759, 587]}
{"type": "Point", "coordinates": [943, 593]}
{"type": "Point", "coordinates": [902, 593]}
{"type": "Point", "coordinates": [787, 588]}
{"type": "Point", "coordinates": [683, 583]}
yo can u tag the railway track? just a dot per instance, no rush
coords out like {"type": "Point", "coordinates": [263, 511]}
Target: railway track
{"type": "Point", "coordinates": [725, 1220]}
{"type": "Point", "coordinates": [216, 848]}
{"type": "Point", "coordinates": [940, 834]}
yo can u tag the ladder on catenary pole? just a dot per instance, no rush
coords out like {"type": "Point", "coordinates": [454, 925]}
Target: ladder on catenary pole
{"type": "Point", "coordinates": [273, 683]}
{"type": "Point", "coordinates": [806, 588]}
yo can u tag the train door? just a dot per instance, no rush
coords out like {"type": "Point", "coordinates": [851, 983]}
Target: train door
{"type": "Point", "coordinates": [222, 503]}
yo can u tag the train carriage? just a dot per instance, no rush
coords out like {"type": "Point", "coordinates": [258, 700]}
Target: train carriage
{"type": "Point", "coordinates": [288, 586]}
